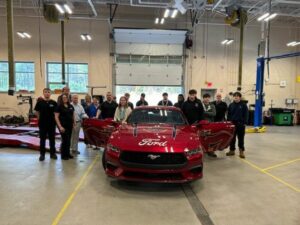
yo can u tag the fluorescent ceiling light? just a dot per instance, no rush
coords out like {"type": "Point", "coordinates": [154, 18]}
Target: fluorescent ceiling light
{"type": "Point", "coordinates": [21, 34]}
{"type": "Point", "coordinates": [68, 9]}
{"type": "Point", "coordinates": [174, 13]}
{"type": "Point", "coordinates": [291, 43]}
{"type": "Point", "coordinates": [157, 20]}
{"type": "Point", "coordinates": [263, 16]}
{"type": "Point", "coordinates": [59, 8]}
{"type": "Point", "coordinates": [83, 37]}
{"type": "Point", "coordinates": [229, 42]}
{"type": "Point", "coordinates": [26, 35]}
{"type": "Point", "coordinates": [88, 37]}
{"type": "Point", "coordinates": [224, 42]}
{"type": "Point", "coordinates": [167, 12]}
{"type": "Point", "coordinates": [162, 21]}
{"type": "Point", "coordinates": [272, 16]}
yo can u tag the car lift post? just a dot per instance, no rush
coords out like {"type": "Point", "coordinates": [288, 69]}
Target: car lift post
{"type": "Point", "coordinates": [259, 95]}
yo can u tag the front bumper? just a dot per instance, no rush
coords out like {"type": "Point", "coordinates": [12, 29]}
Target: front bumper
{"type": "Point", "coordinates": [191, 170]}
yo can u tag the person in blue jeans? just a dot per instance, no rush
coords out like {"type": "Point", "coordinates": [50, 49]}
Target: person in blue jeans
{"type": "Point", "coordinates": [238, 115]}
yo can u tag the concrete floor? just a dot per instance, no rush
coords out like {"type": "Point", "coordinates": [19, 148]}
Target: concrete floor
{"type": "Point", "coordinates": [233, 191]}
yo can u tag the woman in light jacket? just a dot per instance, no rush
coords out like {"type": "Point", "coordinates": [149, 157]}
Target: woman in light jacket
{"type": "Point", "coordinates": [123, 110]}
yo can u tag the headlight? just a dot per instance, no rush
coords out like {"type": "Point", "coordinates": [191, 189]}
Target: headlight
{"type": "Point", "coordinates": [193, 152]}
{"type": "Point", "coordinates": [113, 148]}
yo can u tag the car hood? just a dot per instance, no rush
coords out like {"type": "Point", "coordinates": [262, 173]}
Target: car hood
{"type": "Point", "coordinates": [155, 138]}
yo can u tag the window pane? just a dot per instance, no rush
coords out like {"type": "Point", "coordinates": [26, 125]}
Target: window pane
{"type": "Point", "coordinates": [3, 81]}
{"type": "Point", "coordinates": [56, 86]}
{"type": "Point", "coordinates": [77, 68]}
{"type": "Point", "coordinates": [123, 58]}
{"type": "Point", "coordinates": [3, 67]}
{"type": "Point", "coordinates": [76, 76]}
{"type": "Point", "coordinates": [54, 67]}
{"type": "Point", "coordinates": [175, 59]}
{"type": "Point", "coordinates": [153, 93]}
{"type": "Point", "coordinates": [24, 67]}
{"type": "Point", "coordinates": [158, 59]}
{"type": "Point", "coordinates": [78, 82]}
{"type": "Point", "coordinates": [25, 81]}
{"type": "Point", "coordinates": [140, 59]}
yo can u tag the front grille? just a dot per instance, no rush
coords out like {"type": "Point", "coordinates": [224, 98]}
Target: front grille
{"type": "Point", "coordinates": [153, 160]}
{"type": "Point", "coordinates": [153, 176]}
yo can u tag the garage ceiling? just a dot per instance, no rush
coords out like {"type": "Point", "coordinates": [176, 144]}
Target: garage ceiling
{"type": "Point", "coordinates": [86, 8]}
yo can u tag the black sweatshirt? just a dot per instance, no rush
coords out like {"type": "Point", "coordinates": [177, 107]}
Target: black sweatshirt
{"type": "Point", "coordinates": [193, 110]}
{"type": "Point", "coordinates": [238, 113]}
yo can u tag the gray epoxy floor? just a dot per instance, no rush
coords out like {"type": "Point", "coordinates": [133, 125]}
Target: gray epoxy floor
{"type": "Point", "coordinates": [234, 192]}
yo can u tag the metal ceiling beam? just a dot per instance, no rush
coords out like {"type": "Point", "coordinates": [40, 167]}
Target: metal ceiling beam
{"type": "Point", "coordinates": [93, 8]}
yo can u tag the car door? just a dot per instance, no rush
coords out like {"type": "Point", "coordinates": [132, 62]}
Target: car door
{"type": "Point", "coordinates": [215, 136]}
{"type": "Point", "coordinates": [97, 132]}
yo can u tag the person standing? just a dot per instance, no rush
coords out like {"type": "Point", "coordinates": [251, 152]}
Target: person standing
{"type": "Point", "coordinates": [87, 102]}
{"type": "Point", "coordinates": [192, 108]}
{"type": "Point", "coordinates": [180, 101]}
{"type": "Point", "coordinates": [142, 101]}
{"type": "Point", "coordinates": [107, 108]}
{"type": "Point", "coordinates": [92, 109]}
{"type": "Point", "coordinates": [221, 108]}
{"type": "Point", "coordinates": [130, 104]}
{"type": "Point", "coordinates": [238, 115]}
{"type": "Point", "coordinates": [45, 108]}
{"type": "Point", "coordinates": [66, 91]}
{"type": "Point", "coordinates": [209, 109]}
{"type": "Point", "coordinates": [228, 98]}
{"type": "Point", "coordinates": [79, 114]}
{"type": "Point", "coordinates": [165, 101]}
{"type": "Point", "coordinates": [122, 111]}
{"type": "Point", "coordinates": [64, 117]}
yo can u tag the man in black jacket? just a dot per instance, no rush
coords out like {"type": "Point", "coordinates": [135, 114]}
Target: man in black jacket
{"type": "Point", "coordinates": [221, 108]}
{"type": "Point", "coordinates": [45, 108]}
{"type": "Point", "coordinates": [165, 101]}
{"type": "Point", "coordinates": [238, 115]}
{"type": "Point", "coordinates": [193, 108]}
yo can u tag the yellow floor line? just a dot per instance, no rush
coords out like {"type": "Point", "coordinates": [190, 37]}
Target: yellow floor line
{"type": "Point", "coordinates": [281, 164]}
{"type": "Point", "coordinates": [73, 194]}
{"type": "Point", "coordinates": [271, 175]}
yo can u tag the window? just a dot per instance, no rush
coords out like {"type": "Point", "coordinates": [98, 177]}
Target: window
{"type": "Point", "coordinates": [149, 59]}
{"type": "Point", "coordinates": [153, 93]}
{"type": "Point", "coordinates": [76, 76]}
{"type": "Point", "coordinates": [24, 78]}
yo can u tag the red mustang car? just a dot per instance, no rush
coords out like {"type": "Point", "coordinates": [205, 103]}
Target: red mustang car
{"type": "Point", "coordinates": [156, 144]}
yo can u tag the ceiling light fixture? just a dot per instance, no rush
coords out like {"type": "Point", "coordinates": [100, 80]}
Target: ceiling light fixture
{"type": "Point", "coordinates": [68, 9]}
{"type": "Point", "coordinates": [157, 20]}
{"type": "Point", "coordinates": [21, 35]}
{"type": "Point", "coordinates": [293, 44]}
{"type": "Point", "coordinates": [263, 16]}
{"type": "Point", "coordinates": [59, 8]}
{"type": "Point", "coordinates": [272, 16]}
{"type": "Point", "coordinates": [86, 37]}
{"type": "Point", "coordinates": [174, 13]}
{"type": "Point", "coordinates": [167, 12]}
{"type": "Point", "coordinates": [26, 35]}
{"type": "Point", "coordinates": [162, 21]}
{"type": "Point", "coordinates": [227, 41]}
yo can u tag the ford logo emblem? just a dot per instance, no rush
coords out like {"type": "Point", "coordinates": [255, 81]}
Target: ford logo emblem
{"type": "Point", "coordinates": [153, 157]}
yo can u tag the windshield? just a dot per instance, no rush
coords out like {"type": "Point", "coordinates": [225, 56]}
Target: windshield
{"type": "Point", "coordinates": [155, 116]}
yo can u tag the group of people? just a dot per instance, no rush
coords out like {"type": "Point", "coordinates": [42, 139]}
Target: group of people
{"type": "Point", "coordinates": [67, 114]}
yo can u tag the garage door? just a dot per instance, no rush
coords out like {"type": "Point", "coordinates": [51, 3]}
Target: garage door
{"type": "Point", "coordinates": [150, 62]}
